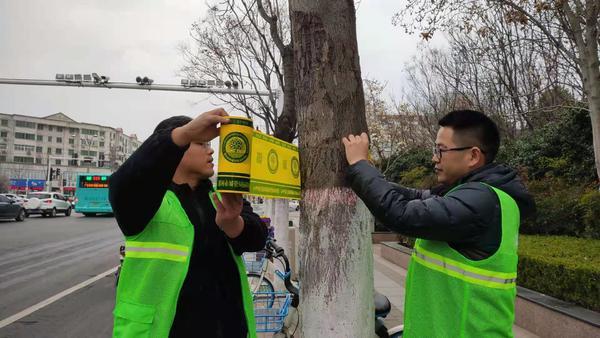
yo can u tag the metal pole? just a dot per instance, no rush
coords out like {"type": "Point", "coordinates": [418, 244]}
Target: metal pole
{"type": "Point", "coordinates": [126, 85]}
{"type": "Point", "coordinates": [48, 174]}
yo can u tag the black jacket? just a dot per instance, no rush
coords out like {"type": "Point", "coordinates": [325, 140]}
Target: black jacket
{"type": "Point", "coordinates": [468, 218]}
{"type": "Point", "coordinates": [210, 301]}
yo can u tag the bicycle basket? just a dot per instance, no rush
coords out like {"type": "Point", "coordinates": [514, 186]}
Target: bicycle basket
{"type": "Point", "coordinates": [254, 261]}
{"type": "Point", "coordinates": [270, 310]}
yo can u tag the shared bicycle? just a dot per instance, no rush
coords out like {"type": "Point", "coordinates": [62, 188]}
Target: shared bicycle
{"type": "Point", "coordinates": [278, 311]}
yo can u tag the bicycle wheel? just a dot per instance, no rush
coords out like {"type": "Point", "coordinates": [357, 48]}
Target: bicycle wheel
{"type": "Point", "coordinates": [265, 286]}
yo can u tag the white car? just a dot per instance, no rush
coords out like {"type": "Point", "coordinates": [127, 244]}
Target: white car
{"type": "Point", "coordinates": [47, 204]}
{"type": "Point", "coordinates": [18, 199]}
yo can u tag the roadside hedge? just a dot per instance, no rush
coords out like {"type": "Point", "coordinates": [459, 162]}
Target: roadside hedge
{"type": "Point", "coordinates": [563, 267]}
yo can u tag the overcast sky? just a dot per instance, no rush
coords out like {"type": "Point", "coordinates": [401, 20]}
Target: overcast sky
{"type": "Point", "coordinates": [123, 39]}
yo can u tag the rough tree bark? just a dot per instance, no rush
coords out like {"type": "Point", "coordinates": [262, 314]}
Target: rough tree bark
{"type": "Point", "coordinates": [336, 259]}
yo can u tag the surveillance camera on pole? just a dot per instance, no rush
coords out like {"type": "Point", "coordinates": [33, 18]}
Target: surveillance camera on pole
{"type": "Point", "coordinates": [235, 84]}
{"type": "Point", "coordinates": [228, 84]}
{"type": "Point", "coordinates": [145, 81]}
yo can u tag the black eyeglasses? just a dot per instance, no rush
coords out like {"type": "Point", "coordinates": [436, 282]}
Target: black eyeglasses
{"type": "Point", "coordinates": [437, 151]}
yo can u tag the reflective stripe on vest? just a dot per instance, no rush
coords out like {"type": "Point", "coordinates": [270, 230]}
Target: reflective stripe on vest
{"type": "Point", "coordinates": [156, 250]}
{"type": "Point", "coordinates": [470, 274]}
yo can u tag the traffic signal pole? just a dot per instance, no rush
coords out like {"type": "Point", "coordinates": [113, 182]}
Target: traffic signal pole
{"type": "Point", "coordinates": [135, 86]}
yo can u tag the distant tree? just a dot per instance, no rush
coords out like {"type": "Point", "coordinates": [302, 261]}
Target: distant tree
{"type": "Point", "coordinates": [4, 183]}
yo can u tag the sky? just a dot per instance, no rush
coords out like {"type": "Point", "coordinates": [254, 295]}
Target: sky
{"type": "Point", "coordinates": [124, 39]}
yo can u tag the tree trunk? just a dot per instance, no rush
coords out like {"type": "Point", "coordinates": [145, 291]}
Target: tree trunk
{"type": "Point", "coordinates": [285, 129]}
{"type": "Point", "coordinates": [586, 42]}
{"type": "Point", "coordinates": [592, 67]}
{"type": "Point", "coordinates": [336, 255]}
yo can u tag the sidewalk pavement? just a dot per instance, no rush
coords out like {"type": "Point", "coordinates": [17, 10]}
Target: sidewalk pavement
{"type": "Point", "coordinates": [389, 281]}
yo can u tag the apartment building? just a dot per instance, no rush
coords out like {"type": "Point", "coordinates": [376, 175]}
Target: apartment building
{"type": "Point", "coordinates": [30, 145]}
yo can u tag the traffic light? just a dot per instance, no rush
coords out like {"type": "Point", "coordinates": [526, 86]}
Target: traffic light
{"type": "Point", "coordinates": [51, 174]}
{"type": "Point", "coordinates": [57, 172]}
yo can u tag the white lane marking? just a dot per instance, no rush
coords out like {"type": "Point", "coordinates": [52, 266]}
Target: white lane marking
{"type": "Point", "coordinates": [54, 298]}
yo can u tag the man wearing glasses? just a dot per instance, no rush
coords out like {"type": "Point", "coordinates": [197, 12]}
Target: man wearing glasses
{"type": "Point", "coordinates": [461, 279]}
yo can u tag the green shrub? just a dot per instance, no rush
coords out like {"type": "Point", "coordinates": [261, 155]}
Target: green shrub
{"type": "Point", "coordinates": [566, 268]}
{"type": "Point", "coordinates": [563, 208]}
{"type": "Point", "coordinates": [558, 208]}
{"type": "Point", "coordinates": [407, 160]}
{"type": "Point", "coordinates": [561, 149]}
{"type": "Point", "coordinates": [418, 177]}
{"type": "Point", "coordinates": [590, 209]}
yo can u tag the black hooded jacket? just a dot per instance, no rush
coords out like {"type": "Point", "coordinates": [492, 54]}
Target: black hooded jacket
{"type": "Point", "coordinates": [210, 300]}
{"type": "Point", "coordinates": [468, 218]}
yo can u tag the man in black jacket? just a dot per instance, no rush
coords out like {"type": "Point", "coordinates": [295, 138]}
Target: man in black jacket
{"type": "Point", "coordinates": [178, 158]}
{"type": "Point", "coordinates": [466, 212]}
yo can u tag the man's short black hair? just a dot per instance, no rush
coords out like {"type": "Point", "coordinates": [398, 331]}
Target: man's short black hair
{"type": "Point", "coordinates": [475, 128]}
{"type": "Point", "coordinates": [172, 123]}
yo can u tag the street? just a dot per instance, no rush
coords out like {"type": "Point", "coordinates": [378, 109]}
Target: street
{"type": "Point", "coordinates": [41, 258]}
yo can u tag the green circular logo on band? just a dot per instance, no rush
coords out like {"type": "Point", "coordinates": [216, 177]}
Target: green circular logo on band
{"type": "Point", "coordinates": [236, 147]}
{"type": "Point", "coordinates": [295, 167]}
{"type": "Point", "coordinates": [272, 161]}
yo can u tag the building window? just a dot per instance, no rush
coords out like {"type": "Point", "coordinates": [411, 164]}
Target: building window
{"type": "Point", "coordinates": [21, 159]}
{"type": "Point", "coordinates": [89, 131]}
{"type": "Point", "coordinates": [49, 151]}
{"type": "Point", "coordinates": [3, 134]}
{"type": "Point", "coordinates": [38, 160]}
{"type": "Point", "coordinates": [58, 162]}
{"type": "Point", "coordinates": [71, 152]}
{"type": "Point", "coordinates": [5, 123]}
{"type": "Point", "coordinates": [40, 126]}
{"type": "Point", "coordinates": [59, 140]}
{"type": "Point", "coordinates": [40, 138]}
{"type": "Point", "coordinates": [3, 146]}
{"type": "Point", "coordinates": [38, 149]}
{"type": "Point", "coordinates": [49, 138]}
{"type": "Point", "coordinates": [101, 144]}
{"type": "Point", "coordinates": [59, 129]}
{"type": "Point", "coordinates": [58, 151]}
{"type": "Point", "coordinates": [23, 147]}
{"type": "Point", "coordinates": [25, 136]}
{"type": "Point", "coordinates": [73, 130]}
{"type": "Point", "coordinates": [51, 128]}
{"type": "Point", "coordinates": [25, 124]}
{"type": "Point", "coordinates": [71, 141]}
{"type": "Point", "coordinates": [2, 158]}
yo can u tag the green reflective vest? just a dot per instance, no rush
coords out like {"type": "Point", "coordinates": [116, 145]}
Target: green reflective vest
{"type": "Point", "coordinates": [155, 266]}
{"type": "Point", "coordinates": [449, 295]}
